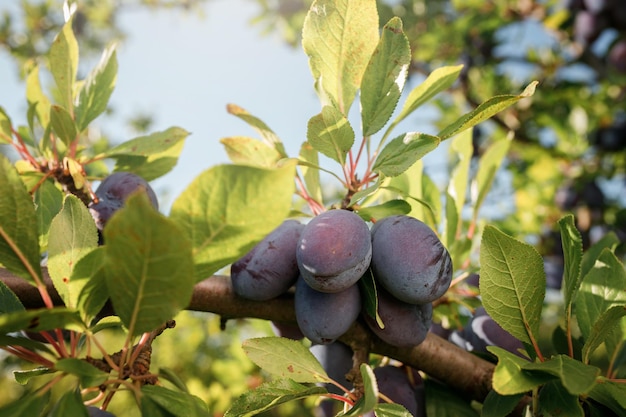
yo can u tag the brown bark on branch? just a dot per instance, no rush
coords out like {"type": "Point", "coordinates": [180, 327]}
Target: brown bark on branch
{"type": "Point", "coordinates": [437, 357]}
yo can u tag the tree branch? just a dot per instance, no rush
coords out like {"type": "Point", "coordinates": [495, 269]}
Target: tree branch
{"type": "Point", "coordinates": [437, 357]}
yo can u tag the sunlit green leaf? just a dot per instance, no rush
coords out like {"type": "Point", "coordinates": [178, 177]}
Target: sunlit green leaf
{"type": "Point", "coordinates": [152, 144]}
{"type": "Point", "coordinates": [573, 253]}
{"type": "Point", "coordinates": [149, 265]}
{"type": "Point", "coordinates": [512, 284]}
{"type": "Point", "coordinates": [384, 77]}
{"type": "Point", "coordinates": [6, 128]}
{"type": "Point", "coordinates": [311, 175]}
{"type": "Point", "coordinates": [36, 97]}
{"type": "Point", "coordinates": [369, 296]}
{"type": "Point", "coordinates": [89, 276]}
{"type": "Point", "coordinates": [339, 37]}
{"type": "Point", "coordinates": [459, 180]}
{"type": "Point", "coordinates": [575, 376]}
{"type": "Point", "coordinates": [40, 319]}
{"type": "Point", "coordinates": [330, 133]}
{"type": "Point", "coordinates": [48, 202]}
{"type": "Point", "coordinates": [23, 377]}
{"type": "Point", "coordinates": [259, 125]}
{"type": "Point", "coordinates": [509, 378]}
{"type": "Point", "coordinates": [370, 393]}
{"type": "Point", "coordinates": [285, 358]}
{"type": "Point", "coordinates": [19, 238]}
{"type": "Point", "coordinates": [248, 151]}
{"type": "Point", "coordinates": [63, 63]}
{"type": "Point", "coordinates": [62, 124]}
{"type": "Point", "coordinates": [227, 209]}
{"type": "Point", "coordinates": [602, 328]}
{"type": "Point", "coordinates": [403, 151]}
{"type": "Point", "coordinates": [488, 166]}
{"type": "Point", "coordinates": [388, 208]}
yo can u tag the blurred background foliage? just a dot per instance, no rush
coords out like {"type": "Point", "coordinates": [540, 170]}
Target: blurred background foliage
{"type": "Point", "coordinates": [568, 152]}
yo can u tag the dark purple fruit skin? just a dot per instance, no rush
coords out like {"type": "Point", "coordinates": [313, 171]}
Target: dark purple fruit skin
{"type": "Point", "coordinates": [334, 250]}
{"type": "Point", "coordinates": [336, 359]}
{"type": "Point", "coordinates": [287, 330]}
{"type": "Point", "coordinates": [270, 268]}
{"type": "Point", "coordinates": [113, 192]}
{"type": "Point", "coordinates": [482, 331]}
{"type": "Point", "coordinates": [409, 260]}
{"type": "Point", "coordinates": [323, 317]}
{"type": "Point", "coordinates": [96, 412]}
{"type": "Point", "coordinates": [406, 325]}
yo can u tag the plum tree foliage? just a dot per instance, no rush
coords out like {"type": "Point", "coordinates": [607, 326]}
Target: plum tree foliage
{"type": "Point", "coordinates": [94, 280]}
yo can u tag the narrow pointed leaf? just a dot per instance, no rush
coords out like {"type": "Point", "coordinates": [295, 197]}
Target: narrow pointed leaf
{"type": "Point", "coordinates": [512, 284]}
{"type": "Point", "coordinates": [149, 265]}
{"type": "Point", "coordinates": [97, 89]}
{"type": "Point", "coordinates": [41, 319]}
{"type": "Point", "coordinates": [270, 395]}
{"type": "Point", "coordinates": [488, 166]}
{"type": "Point", "coordinates": [370, 393]}
{"type": "Point", "coordinates": [73, 234]}
{"type": "Point", "coordinates": [62, 124]}
{"type": "Point", "coordinates": [63, 62]}
{"type": "Point", "coordinates": [438, 80]}
{"type": "Point", "coordinates": [227, 209]}
{"type": "Point", "coordinates": [339, 37]}
{"type": "Point", "coordinates": [175, 403]}
{"type": "Point", "coordinates": [36, 97]}
{"type": "Point", "coordinates": [89, 375]}
{"type": "Point", "coordinates": [248, 151]}
{"type": "Point", "coordinates": [602, 328]}
{"type": "Point", "coordinates": [310, 174]}
{"type": "Point", "coordinates": [48, 202]}
{"type": "Point", "coordinates": [572, 244]}
{"type": "Point", "coordinates": [23, 377]}
{"type": "Point", "coordinates": [403, 151]}
{"type": "Point", "coordinates": [391, 410]}
{"type": "Point", "coordinates": [608, 241]}
{"type": "Point", "coordinates": [8, 300]}
{"type": "Point", "coordinates": [152, 144]}
{"type": "Point", "coordinates": [457, 188]}
{"type": "Point", "coordinates": [259, 125]}
{"type": "Point", "coordinates": [369, 296]}
{"type": "Point", "coordinates": [384, 77]}
{"type": "Point", "coordinates": [485, 111]}
{"type": "Point", "coordinates": [6, 128]}
{"type": "Point", "coordinates": [388, 208]}
{"type": "Point", "coordinates": [285, 358]}
{"type": "Point", "coordinates": [330, 133]}
{"type": "Point", "coordinates": [19, 239]}
{"type": "Point", "coordinates": [603, 287]}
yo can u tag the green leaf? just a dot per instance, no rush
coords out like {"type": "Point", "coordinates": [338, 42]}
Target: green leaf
{"type": "Point", "coordinates": [33, 345]}
{"type": "Point", "coordinates": [384, 77]}
{"type": "Point", "coordinates": [442, 401]}
{"type": "Point", "coordinates": [556, 401]}
{"type": "Point", "coordinates": [31, 404]}
{"type": "Point", "coordinates": [176, 403]}
{"type": "Point", "coordinates": [486, 110]}
{"type": "Point", "coordinates": [270, 395]}
{"type": "Point", "coordinates": [36, 98]}
{"type": "Point", "coordinates": [150, 167]}
{"type": "Point", "coordinates": [391, 410]}
{"type": "Point", "coordinates": [73, 234]}
{"type": "Point", "coordinates": [70, 404]}
{"type": "Point", "coordinates": [610, 394]}
{"type": "Point", "coordinates": [90, 276]}
{"type": "Point", "coordinates": [339, 37]}
{"type": "Point", "coordinates": [369, 296]}
{"type": "Point", "coordinates": [152, 144]}
{"type": "Point", "coordinates": [63, 62]}
{"type": "Point", "coordinates": [403, 151]}
{"type": "Point", "coordinates": [23, 377]}
{"type": "Point", "coordinates": [602, 328]}
{"type": "Point", "coordinates": [512, 284]}
{"type": "Point", "coordinates": [385, 209]}
{"type": "Point", "coordinates": [608, 241]}
{"type": "Point", "coordinates": [40, 319]}
{"type": "Point", "coordinates": [509, 378]}
{"type": "Point", "coordinates": [19, 239]}
{"type": "Point", "coordinates": [48, 202]}
{"type": "Point", "coordinates": [573, 253]}
{"type": "Point", "coordinates": [97, 89]}
{"type": "Point", "coordinates": [149, 265]}
{"type": "Point", "coordinates": [331, 134]}
{"type": "Point", "coordinates": [62, 124]}
{"type": "Point", "coordinates": [310, 174]}
{"type": "Point", "coordinates": [286, 358]}
{"type": "Point", "coordinates": [602, 288]}
{"type": "Point", "coordinates": [370, 393]}
{"type": "Point", "coordinates": [488, 166]}
{"type": "Point", "coordinates": [227, 209]}
{"type": "Point", "coordinates": [575, 376]}
{"type": "Point", "coordinates": [452, 221]}
{"type": "Point", "coordinates": [9, 302]}
{"type": "Point", "coordinates": [248, 151]}
{"type": "Point", "coordinates": [89, 375]}
{"type": "Point", "coordinates": [6, 129]}
{"type": "Point", "coordinates": [438, 80]}
{"type": "Point", "coordinates": [496, 405]}
{"type": "Point", "coordinates": [458, 185]}
{"type": "Point", "coordinates": [258, 125]}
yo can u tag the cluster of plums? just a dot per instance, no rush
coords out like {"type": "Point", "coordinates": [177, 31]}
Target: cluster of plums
{"type": "Point", "coordinates": [592, 18]}
{"type": "Point", "coordinates": [324, 261]}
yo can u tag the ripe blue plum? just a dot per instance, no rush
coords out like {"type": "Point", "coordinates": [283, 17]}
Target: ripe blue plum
{"type": "Point", "coordinates": [482, 331]}
{"type": "Point", "coordinates": [336, 359]}
{"type": "Point", "coordinates": [287, 330]}
{"type": "Point", "coordinates": [270, 268]}
{"type": "Point", "coordinates": [323, 317]}
{"type": "Point", "coordinates": [406, 324]}
{"type": "Point", "coordinates": [113, 192]}
{"type": "Point", "coordinates": [334, 250]}
{"type": "Point", "coordinates": [409, 260]}
{"type": "Point", "coordinates": [96, 412]}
